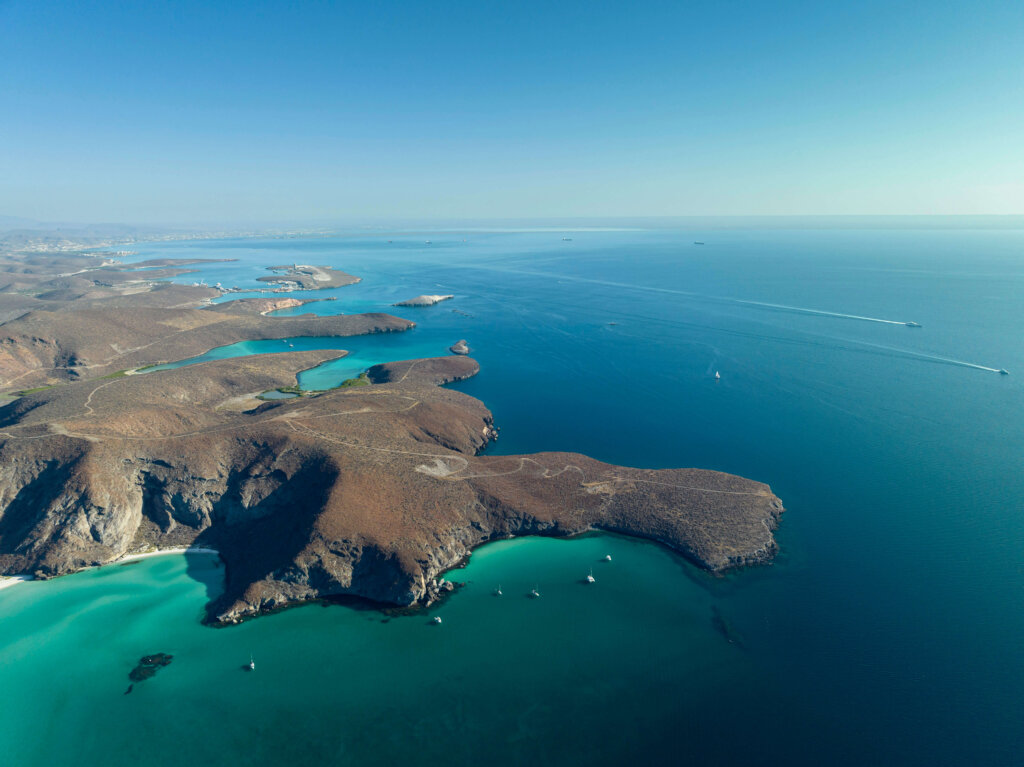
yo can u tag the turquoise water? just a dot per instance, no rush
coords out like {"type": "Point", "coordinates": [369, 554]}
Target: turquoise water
{"type": "Point", "coordinates": [363, 353]}
{"type": "Point", "coordinates": [888, 632]}
{"type": "Point", "coordinates": [341, 685]}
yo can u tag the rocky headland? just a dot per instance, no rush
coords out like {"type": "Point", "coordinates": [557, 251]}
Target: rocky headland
{"type": "Point", "coordinates": [372, 491]}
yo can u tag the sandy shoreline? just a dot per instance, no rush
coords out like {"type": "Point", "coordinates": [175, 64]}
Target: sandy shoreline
{"type": "Point", "coordinates": [13, 580]}
{"type": "Point", "coordinates": [7, 581]}
{"type": "Point", "coordinates": [158, 552]}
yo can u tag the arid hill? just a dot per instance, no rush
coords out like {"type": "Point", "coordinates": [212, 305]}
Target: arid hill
{"type": "Point", "coordinates": [261, 305]}
{"type": "Point", "coordinates": [370, 491]}
{"type": "Point", "coordinates": [43, 348]}
{"type": "Point", "coordinates": [58, 282]}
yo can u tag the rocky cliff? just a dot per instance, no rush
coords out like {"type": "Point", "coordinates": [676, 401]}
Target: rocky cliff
{"type": "Point", "coordinates": [369, 491]}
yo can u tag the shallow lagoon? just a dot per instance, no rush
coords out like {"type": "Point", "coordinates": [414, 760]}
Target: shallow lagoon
{"type": "Point", "coordinates": [363, 353]}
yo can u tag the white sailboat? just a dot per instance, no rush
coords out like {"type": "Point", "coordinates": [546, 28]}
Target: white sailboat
{"type": "Point", "coordinates": [252, 663]}
{"type": "Point", "coordinates": [590, 577]}
{"type": "Point", "coordinates": [718, 376]}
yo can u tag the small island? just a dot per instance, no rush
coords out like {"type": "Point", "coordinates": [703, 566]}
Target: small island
{"type": "Point", "coordinates": [459, 347]}
{"type": "Point", "coordinates": [424, 301]}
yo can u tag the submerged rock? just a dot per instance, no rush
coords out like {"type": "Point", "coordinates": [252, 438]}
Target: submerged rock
{"type": "Point", "coordinates": [724, 626]}
{"type": "Point", "coordinates": [147, 667]}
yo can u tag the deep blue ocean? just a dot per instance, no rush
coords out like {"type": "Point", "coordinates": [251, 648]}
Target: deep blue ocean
{"type": "Point", "coordinates": [890, 630]}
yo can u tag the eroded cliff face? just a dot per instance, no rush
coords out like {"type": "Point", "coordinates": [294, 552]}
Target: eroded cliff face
{"type": "Point", "coordinates": [371, 491]}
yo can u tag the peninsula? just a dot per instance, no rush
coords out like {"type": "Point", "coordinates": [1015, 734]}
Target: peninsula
{"type": "Point", "coordinates": [370, 491]}
{"type": "Point", "coordinates": [307, 277]}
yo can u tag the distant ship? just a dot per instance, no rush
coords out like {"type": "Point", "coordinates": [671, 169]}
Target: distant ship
{"type": "Point", "coordinates": [911, 324]}
{"type": "Point", "coordinates": [718, 376]}
{"type": "Point", "coordinates": [697, 243]}
{"type": "Point", "coordinates": [1004, 372]}
{"type": "Point", "coordinates": [567, 239]}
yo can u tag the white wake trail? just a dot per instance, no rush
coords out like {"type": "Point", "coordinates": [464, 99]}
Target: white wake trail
{"type": "Point", "coordinates": [820, 312]}
{"type": "Point", "coordinates": [700, 296]}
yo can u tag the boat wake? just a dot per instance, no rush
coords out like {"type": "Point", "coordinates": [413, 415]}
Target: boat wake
{"type": "Point", "coordinates": [925, 357]}
{"type": "Point", "coordinates": [820, 312]}
{"type": "Point", "coordinates": [562, 278]}
{"type": "Point", "coordinates": [864, 347]}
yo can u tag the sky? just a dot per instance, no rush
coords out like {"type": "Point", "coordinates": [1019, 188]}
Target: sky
{"type": "Point", "coordinates": [160, 112]}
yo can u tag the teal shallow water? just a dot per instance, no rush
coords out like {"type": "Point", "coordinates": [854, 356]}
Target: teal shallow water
{"type": "Point", "coordinates": [363, 353]}
{"type": "Point", "coordinates": [888, 632]}
{"type": "Point", "coordinates": [564, 678]}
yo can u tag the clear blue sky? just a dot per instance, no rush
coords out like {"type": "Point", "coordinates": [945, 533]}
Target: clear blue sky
{"type": "Point", "coordinates": [205, 111]}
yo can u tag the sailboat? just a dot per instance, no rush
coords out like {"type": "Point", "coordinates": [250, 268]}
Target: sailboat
{"type": "Point", "coordinates": [534, 594]}
{"type": "Point", "coordinates": [252, 663]}
{"type": "Point", "coordinates": [590, 578]}
{"type": "Point", "coordinates": [497, 591]}
{"type": "Point", "coordinates": [607, 557]}
{"type": "Point", "coordinates": [437, 619]}
{"type": "Point", "coordinates": [718, 376]}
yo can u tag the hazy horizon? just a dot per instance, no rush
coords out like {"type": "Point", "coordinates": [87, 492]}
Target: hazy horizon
{"type": "Point", "coordinates": [11, 224]}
